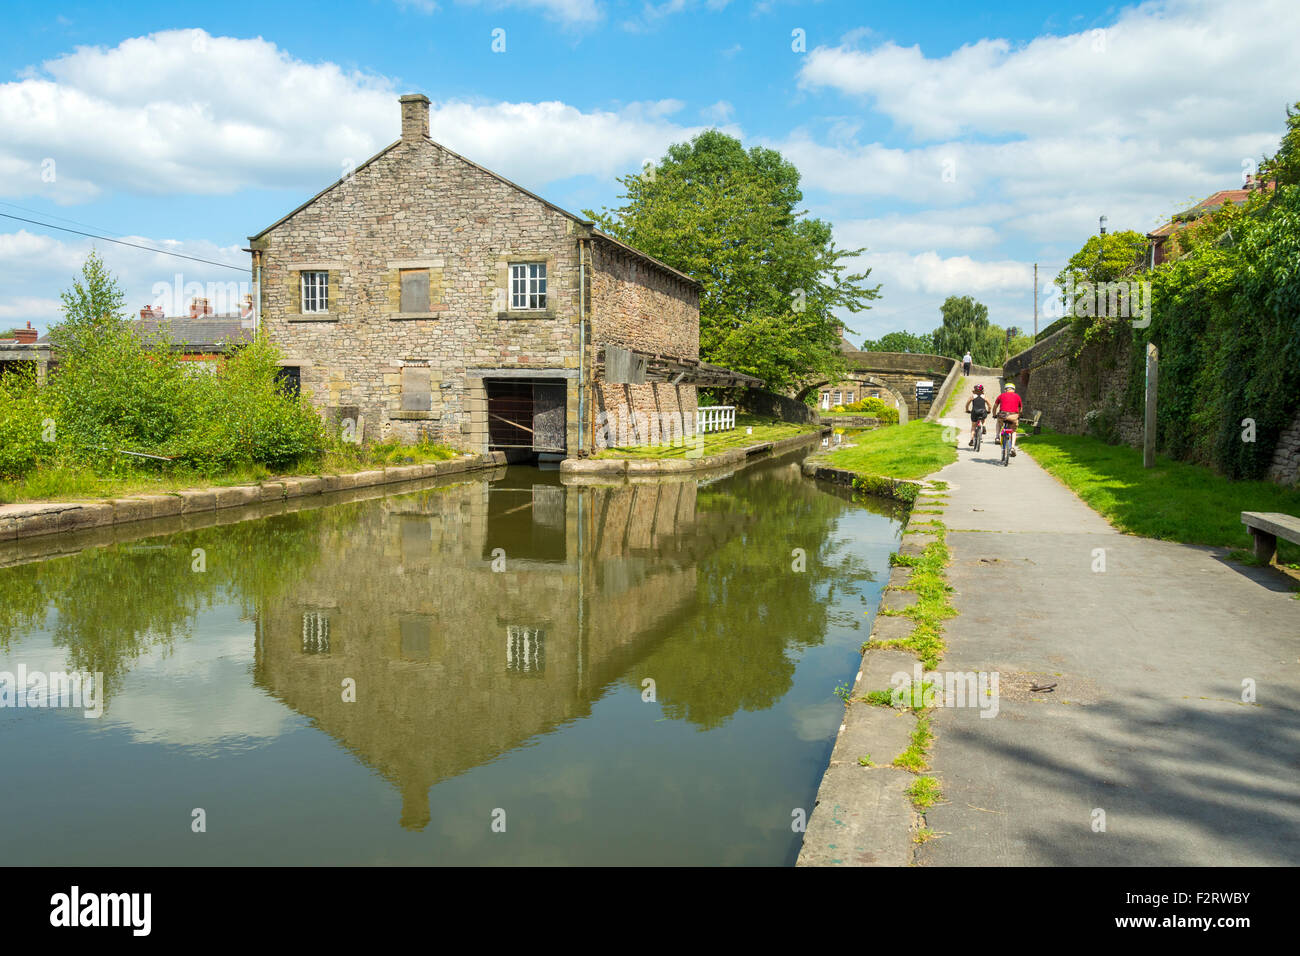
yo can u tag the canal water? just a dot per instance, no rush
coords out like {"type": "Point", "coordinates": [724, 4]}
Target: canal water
{"type": "Point", "coordinates": [500, 669]}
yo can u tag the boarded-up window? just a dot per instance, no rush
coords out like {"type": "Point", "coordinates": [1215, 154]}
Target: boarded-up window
{"type": "Point", "coordinates": [415, 290]}
{"type": "Point", "coordinates": [416, 393]}
{"type": "Point", "coordinates": [416, 634]}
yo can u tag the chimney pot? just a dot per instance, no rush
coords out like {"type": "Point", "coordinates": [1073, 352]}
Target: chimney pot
{"type": "Point", "coordinates": [415, 117]}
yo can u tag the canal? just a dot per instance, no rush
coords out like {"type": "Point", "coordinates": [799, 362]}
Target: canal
{"type": "Point", "coordinates": [500, 669]}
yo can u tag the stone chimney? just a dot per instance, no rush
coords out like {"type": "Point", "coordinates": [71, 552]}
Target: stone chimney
{"type": "Point", "coordinates": [199, 307]}
{"type": "Point", "coordinates": [151, 312]}
{"type": "Point", "coordinates": [415, 117]}
{"type": "Point", "coordinates": [27, 336]}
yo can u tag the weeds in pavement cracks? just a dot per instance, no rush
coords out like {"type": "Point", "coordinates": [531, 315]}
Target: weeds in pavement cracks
{"type": "Point", "coordinates": [930, 584]}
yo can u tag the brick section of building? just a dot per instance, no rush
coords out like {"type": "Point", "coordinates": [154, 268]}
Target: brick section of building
{"type": "Point", "coordinates": [421, 228]}
{"type": "Point", "coordinates": [637, 307]}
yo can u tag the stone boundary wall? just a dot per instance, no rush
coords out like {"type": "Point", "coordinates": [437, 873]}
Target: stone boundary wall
{"type": "Point", "coordinates": [941, 397]}
{"type": "Point", "coordinates": [1065, 389]}
{"type": "Point", "coordinates": [767, 404]}
{"type": "Point", "coordinates": [850, 421]}
{"type": "Point", "coordinates": [59, 517]}
{"type": "Point", "coordinates": [1285, 468]}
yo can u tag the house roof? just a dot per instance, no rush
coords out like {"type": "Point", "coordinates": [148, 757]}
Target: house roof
{"type": "Point", "coordinates": [1202, 208]}
{"type": "Point", "coordinates": [209, 333]}
{"type": "Point", "coordinates": [597, 233]}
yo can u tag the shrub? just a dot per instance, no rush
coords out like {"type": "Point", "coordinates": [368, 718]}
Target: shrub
{"type": "Point", "coordinates": [22, 425]}
{"type": "Point", "coordinates": [875, 407]}
{"type": "Point", "coordinates": [241, 414]}
{"type": "Point", "coordinates": [1103, 423]}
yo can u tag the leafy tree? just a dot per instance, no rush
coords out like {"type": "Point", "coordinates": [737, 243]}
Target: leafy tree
{"type": "Point", "coordinates": [901, 342]}
{"type": "Point", "coordinates": [1284, 165]}
{"type": "Point", "coordinates": [95, 306]}
{"type": "Point", "coordinates": [966, 328]}
{"type": "Point", "coordinates": [1108, 258]}
{"type": "Point", "coordinates": [772, 278]}
{"type": "Point", "coordinates": [1018, 344]}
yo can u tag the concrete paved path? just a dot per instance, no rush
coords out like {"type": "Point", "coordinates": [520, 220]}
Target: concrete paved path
{"type": "Point", "coordinates": [1146, 729]}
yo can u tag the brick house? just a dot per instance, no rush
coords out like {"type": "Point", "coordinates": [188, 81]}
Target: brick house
{"type": "Point", "coordinates": [425, 296]}
{"type": "Point", "coordinates": [1158, 251]}
{"type": "Point", "coordinates": [203, 336]}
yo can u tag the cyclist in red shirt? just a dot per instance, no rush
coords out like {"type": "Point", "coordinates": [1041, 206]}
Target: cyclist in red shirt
{"type": "Point", "coordinates": [1007, 407]}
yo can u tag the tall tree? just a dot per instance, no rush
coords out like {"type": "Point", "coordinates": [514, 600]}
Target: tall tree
{"type": "Point", "coordinates": [772, 277]}
{"type": "Point", "coordinates": [95, 306]}
{"type": "Point", "coordinates": [965, 329]}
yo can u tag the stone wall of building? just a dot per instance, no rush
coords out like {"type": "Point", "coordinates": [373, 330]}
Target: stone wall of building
{"type": "Point", "coordinates": [636, 306]}
{"type": "Point", "coordinates": [418, 213]}
{"type": "Point", "coordinates": [418, 206]}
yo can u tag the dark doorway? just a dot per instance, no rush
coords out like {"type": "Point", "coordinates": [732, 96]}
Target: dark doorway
{"type": "Point", "coordinates": [526, 415]}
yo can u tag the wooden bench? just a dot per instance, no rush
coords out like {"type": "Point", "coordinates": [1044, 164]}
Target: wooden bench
{"type": "Point", "coordinates": [1267, 527]}
{"type": "Point", "coordinates": [1033, 422]}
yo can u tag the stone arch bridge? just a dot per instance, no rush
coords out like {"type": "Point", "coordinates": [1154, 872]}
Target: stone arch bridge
{"type": "Point", "coordinates": [898, 372]}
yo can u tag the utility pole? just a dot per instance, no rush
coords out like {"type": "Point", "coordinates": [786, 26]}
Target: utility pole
{"type": "Point", "coordinates": [1035, 301]}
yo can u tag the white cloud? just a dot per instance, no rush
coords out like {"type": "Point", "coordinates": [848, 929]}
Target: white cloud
{"type": "Point", "coordinates": [927, 230]}
{"type": "Point", "coordinates": [185, 112]}
{"type": "Point", "coordinates": [35, 267]}
{"type": "Point", "coordinates": [719, 112]}
{"type": "Point", "coordinates": [27, 308]}
{"type": "Point", "coordinates": [1161, 68]}
{"type": "Point", "coordinates": [568, 11]}
{"type": "Point", "coordinates": [936, 275]}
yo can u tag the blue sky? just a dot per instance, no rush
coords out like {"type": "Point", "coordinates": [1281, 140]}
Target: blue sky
{"type": "Point", "coordinates": [959, 144]}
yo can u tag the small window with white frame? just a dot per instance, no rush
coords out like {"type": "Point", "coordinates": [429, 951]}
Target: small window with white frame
{"type": "Point", "coordinates": [527, 285]}
{"type": "Point", "coordinates": [315, 292]}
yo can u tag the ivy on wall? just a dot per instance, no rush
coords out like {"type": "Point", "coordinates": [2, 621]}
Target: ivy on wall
{"type": "Point", "coordinates": [1226, 319]}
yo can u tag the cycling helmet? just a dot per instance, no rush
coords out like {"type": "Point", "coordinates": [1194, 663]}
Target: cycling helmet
{"type": "Point", "coordinates": [1009, 387]}
{"type": "Point", "coordinates": [979, 389]}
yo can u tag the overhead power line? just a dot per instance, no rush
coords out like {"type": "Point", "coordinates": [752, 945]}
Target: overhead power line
{"type": "Point", "coordinates": [123, 242]}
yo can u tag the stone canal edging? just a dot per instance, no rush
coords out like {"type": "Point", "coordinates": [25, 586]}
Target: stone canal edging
{"type": "Point", "coordinates": [882, 486]}
{"type": "Point", "coordinates": [55, 517]}
{"type": "Point", "coordinates": [613, 467]}
{"type": "Point", "coordinates": [864, 814]}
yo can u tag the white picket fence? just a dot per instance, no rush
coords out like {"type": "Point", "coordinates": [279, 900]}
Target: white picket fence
{"type": "Point", "coordinates": [716, 418]}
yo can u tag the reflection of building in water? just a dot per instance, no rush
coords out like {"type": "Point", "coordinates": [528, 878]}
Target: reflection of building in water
{"type": "Point", "coordinates": [455, 662]}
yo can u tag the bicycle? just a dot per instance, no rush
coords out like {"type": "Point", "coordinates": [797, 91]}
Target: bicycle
{"type": "Point", "coordinates": [1005, 432]}
{"type": "Point", "coordinates": [979, 432]}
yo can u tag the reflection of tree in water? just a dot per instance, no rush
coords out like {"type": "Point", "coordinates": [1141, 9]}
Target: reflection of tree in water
{"type": "Point", "coordinates": [753, 613]}
{"type": "Point", "coordinates": [112, 604]}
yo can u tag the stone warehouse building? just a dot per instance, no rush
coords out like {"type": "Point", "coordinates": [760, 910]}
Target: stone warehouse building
{"type": "Point", "coordinates": [425, 296]}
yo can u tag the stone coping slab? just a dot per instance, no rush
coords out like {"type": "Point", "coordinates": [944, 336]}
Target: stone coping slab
{"type": "Point", "coordinates": [30, 519]}
{"type": "Point", "coordinates": [609, 467]}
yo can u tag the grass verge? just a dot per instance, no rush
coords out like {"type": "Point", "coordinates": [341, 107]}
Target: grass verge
{"type": "Point", "coordinates": [958, 390]}
{"type": "Point", "coordinates": [1174, 501]}
{"type": "Point", "coordinates": [902, 451]}
{"type": "Point", "coordinates": [68, 482]}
